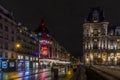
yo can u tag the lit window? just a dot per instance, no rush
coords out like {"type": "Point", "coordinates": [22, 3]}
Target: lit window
{"type": "Point", "coordinates": [118, 40]}
{"type": "Point", "coordinates": [21, 57]}
{"type": "Point", "coordinates": [111, 46]}
{"type": "Point", "coordinates": [31, 59]}
{"type": "Point", "coordinates": [18, 56]}
{"type": "Point", "coordinates": [95, 40]}
{"type": "Point", "coordinates": [95, 32]}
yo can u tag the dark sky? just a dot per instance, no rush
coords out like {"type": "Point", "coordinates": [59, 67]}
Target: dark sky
{"type": "Point", "coordinates": [64, 18]}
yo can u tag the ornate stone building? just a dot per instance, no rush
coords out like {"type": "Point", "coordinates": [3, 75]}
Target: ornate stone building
{"type": "Point", "coordinates": [100, 43]}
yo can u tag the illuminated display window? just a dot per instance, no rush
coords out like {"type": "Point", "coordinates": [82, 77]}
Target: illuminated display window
{"type": "Point", "coordinates": [4, 64]}
{"type": "Point", "coordinates": [12, 64]}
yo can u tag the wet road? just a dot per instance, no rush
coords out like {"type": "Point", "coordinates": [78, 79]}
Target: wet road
{"type": "Point", "coordinates": [26, 75]}
{"type": "Point", "coordinates": [92, 75]}
{"type": "Point", "coordinates": [43, 74]}
{"type": "Point", "coordinates": [39, 76]}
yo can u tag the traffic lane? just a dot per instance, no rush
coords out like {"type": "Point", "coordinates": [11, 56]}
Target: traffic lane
{"type": "Point", "coordinates": [46, 75]}
{"type": "Point", "coordinates": [15, 75]}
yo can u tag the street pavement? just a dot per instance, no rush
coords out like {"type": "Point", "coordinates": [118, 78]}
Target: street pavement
{"type": "Point", "coordinates": [20, 74]}
{"type": "Point", "coordinates": [38, 74]}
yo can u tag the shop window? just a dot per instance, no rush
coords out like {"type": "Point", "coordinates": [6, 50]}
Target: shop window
{"type": "Point", "coordinates": [11, 64]}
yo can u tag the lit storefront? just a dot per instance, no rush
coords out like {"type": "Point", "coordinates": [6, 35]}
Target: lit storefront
{"type": "Point", "coordinates": [27, 63]}
{"type": "Point", "coordinates": [20, 62]}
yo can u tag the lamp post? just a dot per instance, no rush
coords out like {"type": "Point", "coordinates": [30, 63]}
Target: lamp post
{"type": "Point", "coordinates": [17, 47]}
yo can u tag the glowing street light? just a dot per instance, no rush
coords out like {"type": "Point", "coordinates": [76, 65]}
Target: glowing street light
{"type": "Point", "coordinates": [18, 45]}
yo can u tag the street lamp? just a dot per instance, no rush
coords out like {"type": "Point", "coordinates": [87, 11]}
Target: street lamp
{"type": "Point", "coordinates": [17, 45]}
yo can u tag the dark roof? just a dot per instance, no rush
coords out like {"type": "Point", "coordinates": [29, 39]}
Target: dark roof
{"type": "Point", "coordinates": [95, 12]}
{"type": "Point", "coordinates": [42, 28]}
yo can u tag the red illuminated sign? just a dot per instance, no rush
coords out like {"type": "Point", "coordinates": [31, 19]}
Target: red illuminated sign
{"type": "Point", "coordinates": [44, 51]}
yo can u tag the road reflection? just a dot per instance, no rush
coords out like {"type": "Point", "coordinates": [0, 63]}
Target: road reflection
{"type": "Point", "coordinates": [42, 74]}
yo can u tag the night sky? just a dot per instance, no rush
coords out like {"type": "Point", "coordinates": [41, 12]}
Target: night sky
{"type": "Point", "coordinates": [64, 18]}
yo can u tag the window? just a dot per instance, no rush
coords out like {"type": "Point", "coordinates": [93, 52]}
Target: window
{"type": "Point", "coordinates": [12, 32]}
{"type": "Point", "coordinates": [1, 46]}
{"type": "Point", "coordinates": [0, 17]}
{"type": "Point", "coordinates": [1, 26]}
{"type": "Point", "coordinates": [18, 56]}
{"type": "Point", "coordinates": [6, 28]}
{"type": "Point", "coordinates": [1, 35]}
{"type": "Point", "coordinates": [12, 38]}
{"type": "Point", "coordinates": [6, 45]}
{"type": "Point", "coordinates": [111, 33]}
{"type": "Point", "coordinates": [12, 23]}
{"type": "Point", "coordinates": [118, 45]}
{"type": "Point", "coordinates": [6, 20]}
{"type": "Point", "coordinates": [111, 46]}
{"type": "Point", "coordinates": [12, 55]}
{"type": "Point", "coordinates": [0, 54]}
{"type": "Point", "coordinates": [6, 36]}
{"type": "Point", "coordinates": [6, 55]}
{"type": "Point", "coordinates": [95, 32]}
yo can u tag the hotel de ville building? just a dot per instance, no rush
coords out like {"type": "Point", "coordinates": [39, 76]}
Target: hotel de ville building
{"type": "Point", "coordinates": [101, 42]}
